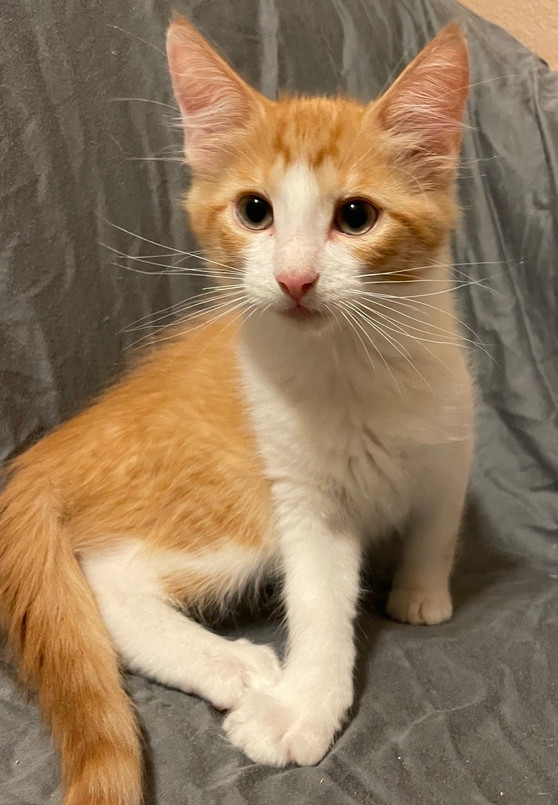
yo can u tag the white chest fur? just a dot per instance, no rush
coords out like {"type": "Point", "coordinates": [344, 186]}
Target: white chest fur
{"type": "Point", "coordinates": [344, 428]}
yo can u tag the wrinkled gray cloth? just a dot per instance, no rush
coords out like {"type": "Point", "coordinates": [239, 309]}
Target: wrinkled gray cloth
{"type": "Point", "coordinates": [464, 713]}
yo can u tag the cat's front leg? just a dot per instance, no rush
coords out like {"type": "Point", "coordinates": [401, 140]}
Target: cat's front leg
{"type": "Point", "coordinates": [296, 721]}
{"type": "Point", "coordinates": [420, 593]}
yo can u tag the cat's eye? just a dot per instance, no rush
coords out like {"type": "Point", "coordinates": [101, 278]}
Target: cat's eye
{"type": "Point", "coordinates": [254, 212]}
{"type": "Point", "coordinates": [355, 217]}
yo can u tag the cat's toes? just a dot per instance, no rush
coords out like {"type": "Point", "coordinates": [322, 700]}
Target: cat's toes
{"type": "Point", "coordinates": [419, 606]}
{"type": "Point", "coordinates": [262, 668]}
{"type": "Point", "coordinates": [274, 732]}
{"type": "Point", "coordinates": [244, 666]}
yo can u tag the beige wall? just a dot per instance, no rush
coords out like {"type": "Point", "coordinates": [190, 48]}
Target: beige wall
{"type": "Point", "coordinates": [533, 22]}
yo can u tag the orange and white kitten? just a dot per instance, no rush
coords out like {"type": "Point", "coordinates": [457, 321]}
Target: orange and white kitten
{"type": "Point", "coordinates": [338, 407]}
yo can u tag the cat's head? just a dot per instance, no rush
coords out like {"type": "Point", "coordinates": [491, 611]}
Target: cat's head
{"type": "Point", "coordinates": [306, 201]}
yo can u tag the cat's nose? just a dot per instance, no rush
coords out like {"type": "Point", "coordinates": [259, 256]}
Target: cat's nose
{"type": "Point", "coordinates": [296, 286]}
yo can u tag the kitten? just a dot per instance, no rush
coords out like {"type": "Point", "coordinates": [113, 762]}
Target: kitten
{"type": "Point", "coordinates": [337, 406]}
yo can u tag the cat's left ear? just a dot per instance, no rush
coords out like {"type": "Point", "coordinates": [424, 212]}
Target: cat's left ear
{"type": "Point", "coordinates": [215, 103]}
{"type": "Point", "coordinates": [423, 110]}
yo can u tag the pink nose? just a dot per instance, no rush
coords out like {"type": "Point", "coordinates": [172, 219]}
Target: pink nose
{"type": "Point", "coordinates": [297, 286]}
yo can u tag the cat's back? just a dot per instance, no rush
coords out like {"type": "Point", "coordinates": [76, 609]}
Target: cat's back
{"type": "Point", "coordinates": [172, 435]}
{"type": "Point", "coordinates": [192, 373]}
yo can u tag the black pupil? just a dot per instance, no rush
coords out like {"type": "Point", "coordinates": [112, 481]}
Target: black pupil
{"type": "Point", "coordinates": [355, 214]}
{"type": "Point", "coordinates": [256, 209]}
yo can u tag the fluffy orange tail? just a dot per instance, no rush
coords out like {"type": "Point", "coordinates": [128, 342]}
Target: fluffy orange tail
{"type": "Point", "coordinates": [64, 649]}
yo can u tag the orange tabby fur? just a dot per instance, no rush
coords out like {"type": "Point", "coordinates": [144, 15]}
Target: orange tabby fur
{"type": "Point", "coordinates": [100, 477]}
{"type": "Point", "coordinates": [115, 470]}
{"type": "Point", "coordinates": [321, 132]}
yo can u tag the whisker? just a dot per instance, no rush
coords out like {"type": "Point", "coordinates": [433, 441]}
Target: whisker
{"type": "Point", "coordinates": [179, 160]}
{"type": "Point", "coordinates": [351, 325]}
{"type": "Point", "coordinates": [158, 255]}
{"type": "Point", "coordinates": [396, 344]}
{"type": "Point", "coordinates": [179, 307]}
{"type": "Point", "coordinates": [246, 314]}
{"type": "Point", "coordinates": [161, 245]}
{"type": "Point", "coordinates": [434, 293]}
{"type": "Point", "coordinates": [371, 340]}
{"type": "Point", "coordinates": [191, 317]}
{"type": "Point", "coordinates": [441, 330]}
{"type": "Point", "coordinates": [403, 351]}
{"type": "Point", "coordinates": [197, 255]}
{"type": "Point", "coordinates": [177, 267]}
{"type": "Point", "coordinates": [146, 100]}
{"type": "Point", "coordinates": [135, 36]}
{"type": "Point", "coordinates": [436, 264]}
{"type": "Point", "coordinates": [460, 337]}
{"type": "Point", "coordinates": [477, 343]}
{"type": "Point", "coordinates": [495, 78]}
{"type": "Point", "coordinates": [452, 286]}
{"type": "Point", "coordinates": [140, 237]}
{"type": "Point", "coordinates": [196, 271]}
{"type": "Point", "coordinates": [237, 304]}
{"type": "Point", "coordinates": [173, 272]}
{"type": "Point", "coordinates": [394, 326]}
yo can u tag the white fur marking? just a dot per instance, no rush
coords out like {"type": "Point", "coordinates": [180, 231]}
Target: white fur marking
{"type": "Point", "coordinates": [159, 642]}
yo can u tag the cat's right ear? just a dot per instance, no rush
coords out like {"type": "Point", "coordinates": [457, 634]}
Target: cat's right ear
{"type": "Point", "coordinates": [215, 103]}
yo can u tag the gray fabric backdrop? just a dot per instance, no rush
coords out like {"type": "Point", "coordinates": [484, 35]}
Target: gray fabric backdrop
{"type": "Point", "coordinates": [461, 713]}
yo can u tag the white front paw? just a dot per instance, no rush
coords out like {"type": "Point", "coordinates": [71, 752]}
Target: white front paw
{"type": "Point", "coordinates": [273, 730]}
{"type": "Point", "coordinates": [243, 666]}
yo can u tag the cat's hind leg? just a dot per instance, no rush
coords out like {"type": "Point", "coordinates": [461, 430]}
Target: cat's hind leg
{"type": "Point", "coordinates": [155, 640]}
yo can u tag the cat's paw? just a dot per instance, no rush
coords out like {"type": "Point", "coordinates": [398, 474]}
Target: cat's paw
{"type": "Point", "coordinates": [418, 606]}
{"type": "Point", "coordinates": [272, 730]}
{"type": "Point", "coordinates": [244, 666]}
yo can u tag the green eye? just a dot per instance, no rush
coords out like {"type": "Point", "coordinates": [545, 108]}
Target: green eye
{"type": "Point", "coordinates": [254, 212]}
{"type": "Point", "coordinates": [355, 217]}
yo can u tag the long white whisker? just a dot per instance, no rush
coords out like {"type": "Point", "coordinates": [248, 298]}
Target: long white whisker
{"type": "Point", "coordinates": [458, 340]}
{"type": "Point", "coordinates": [372, 274]}
{"type": "Point", "coordinates": [180, 160]}
{"type": "Point", "coordinates": [191, 317]}
{"type": "Point", "coordinates": [414, 280]}
{"type": "Point", "coordinates": [455, 340]}
{"type": "Point", "coordinates": [138, 38]}
{"type": "Point", "coordinates": [400, 348]}
{"type": "Point", "coordinates": [450, 289]}
{"type": "Point", "coordinates": [454, 267]}
{"type": "Point", "coordinates": [246, 314]}
{"type": "Point", "coordinates": [237, 305]}
{"type": "Point", "coordinates": [182, 307]}
{"type": "Point", "coordinates": [400, 329]}
{"type": "Point", "coordinates": [161, 245]}
{"type": "Point", "coordinates": [476, 343]}
{"type": "Point", "coordinates": [396, 344]}
{"type": "Point", "coordinates": [176, 267]}
{"type": "Point", "coordinates": [172, 272]}
{"type": "Point", "coordinates": [351, 325]}
{"type": "Point", "coordinates": [146, 100]}
{"type": "Point", "coordinates": [355, 321]}
{"type": "Point", "coordinates": [146, 320]}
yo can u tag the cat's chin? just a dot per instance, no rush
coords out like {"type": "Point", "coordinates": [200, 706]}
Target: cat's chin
{"type": "Point", "coordinates": [302, 314]}
{"type": "Point", "coordinates": [310, 319]}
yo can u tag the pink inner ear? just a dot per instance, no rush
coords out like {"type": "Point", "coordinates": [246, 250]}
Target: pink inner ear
{"type": "Point", "coordinates": [426, 104]}
{"type": "Point", "coordinates": [214, 101]}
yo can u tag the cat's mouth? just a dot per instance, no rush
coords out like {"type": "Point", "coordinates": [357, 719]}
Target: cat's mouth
{"type": "Point", "coordinates": [301, 311]}
{"type": "Point", "coordinates": [303, 314]}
